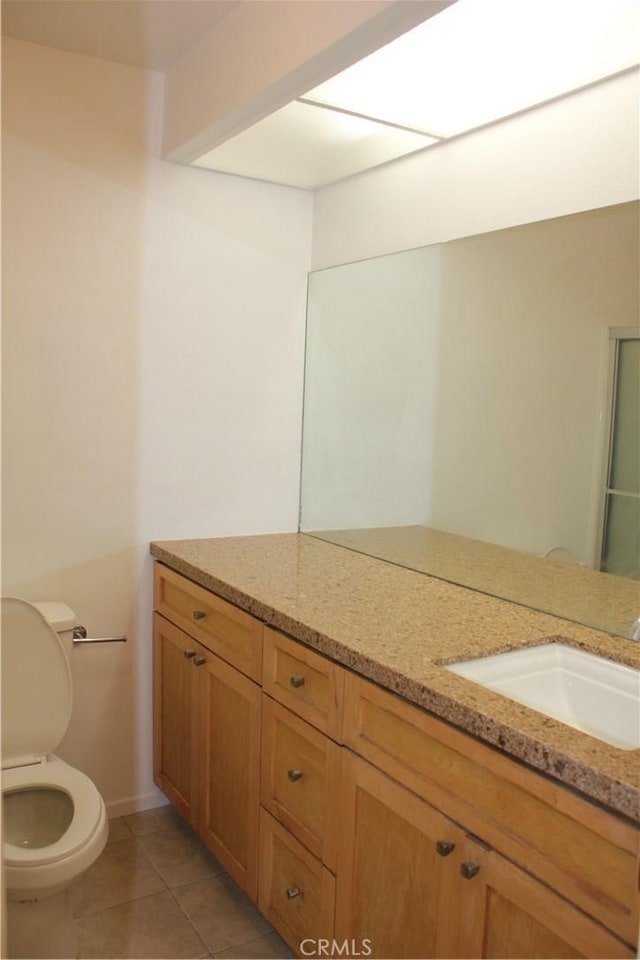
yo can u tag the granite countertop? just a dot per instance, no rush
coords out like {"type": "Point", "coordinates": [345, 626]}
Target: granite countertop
{"type": "Point", "coordinates": [567, 590]}
{"type": "Point", "coordinates": [398, 627]}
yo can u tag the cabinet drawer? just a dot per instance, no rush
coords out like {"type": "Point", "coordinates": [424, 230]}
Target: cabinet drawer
{"type": "Point", "coordinates": [302, 680]}
{"type": "Point", "coordinates": [300, 775]}
{"type": "Point", "coordinates": [296, 892]}
{"type": "Point", "coordinates": [580, 850]}
{"type": "Point", "coordinates": [224, 629]}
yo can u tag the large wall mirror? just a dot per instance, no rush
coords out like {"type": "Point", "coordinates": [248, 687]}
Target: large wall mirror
{"type": "Point", "coordinates": [472, 411]}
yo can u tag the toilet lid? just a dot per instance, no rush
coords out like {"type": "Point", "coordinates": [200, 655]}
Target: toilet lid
{"type": "Point", "coordinates": [36, 685]}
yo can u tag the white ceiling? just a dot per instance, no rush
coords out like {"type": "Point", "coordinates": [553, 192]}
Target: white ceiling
{"type": "Point", "coordinates": [480, 61]}
{"type": "Point", "coordinates": [475, 63]}
{"type": "Point", "coordinates": [140, 33]}
{"type": "Point", "coordinates": [325, 136]}
{"type": "Point", "coordinates": [305, 146]}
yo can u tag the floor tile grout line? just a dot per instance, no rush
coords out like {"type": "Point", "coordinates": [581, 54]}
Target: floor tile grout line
{"type": "Point", "coordinates": [244, 943]}
{"type": "Point", "coordinates": [240, 943]}
{"type": "Point", "coordinates": [209, 876]}
{"type": "Point", "coordinates": [150, 863]}
{"type": "Point", "coordinates": [202, 956]}
{"type": "Point", "coordinates": [136, 837]}
{"type": "Point", "coordinates": [121, 903]}
{"type": "Point", "coordinates": [188, 919]}
{"type": "Point", "coordinates": [91, 916]}
{"type": "Point", "coordinates": [220, 872]}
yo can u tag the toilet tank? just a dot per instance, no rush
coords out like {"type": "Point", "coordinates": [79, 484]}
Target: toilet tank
{"type": "Point", "coordinates": [62, 619]}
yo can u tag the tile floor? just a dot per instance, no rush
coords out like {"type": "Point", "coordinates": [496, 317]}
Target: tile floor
{"type": "Point", "coordinates": [156, 892]}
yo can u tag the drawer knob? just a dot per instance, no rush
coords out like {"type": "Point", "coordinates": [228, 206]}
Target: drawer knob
{"type": "Point", "coordinates": [294, 775]}
{"type": "Point", "coordinates": [188, 654]}
{"type": "Point", "coordinates": [470, 870]}
{"type": "Point", "coordinates": [198, 614]}
{"type": "Point", "coordinates": [293, 892]}
{"type": "Point", "coordinates": [198, 661]}
{"type": "Point", "coordinates": [445, 847]}
{"type": "Point", "coordinates": [296, 681]}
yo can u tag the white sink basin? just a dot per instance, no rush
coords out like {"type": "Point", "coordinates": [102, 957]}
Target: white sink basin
{"type": "Point", "coordinates": [590, 693]}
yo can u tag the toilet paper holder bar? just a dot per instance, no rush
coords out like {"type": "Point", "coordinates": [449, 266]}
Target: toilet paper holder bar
{"type": "Point", "coordinates": [79, 635]}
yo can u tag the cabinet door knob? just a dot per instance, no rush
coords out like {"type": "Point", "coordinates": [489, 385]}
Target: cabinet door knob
{"type": "Point", "coordinates": [296, 681]}
{"type": "Point", "coordinates": [445, 847]}
{"type": "Point", "coordinates": [188, 654]}
{"type": "Point", "coordinates": [198, 614]}
{"type": "Point", "coordinates": [198, 661]}
{"type": "Point", "coordinates": [293, 892]}
{"type": "Point", "coordinates": [294, 775]}
{"type": "Point", "coordinates": [470, 870]}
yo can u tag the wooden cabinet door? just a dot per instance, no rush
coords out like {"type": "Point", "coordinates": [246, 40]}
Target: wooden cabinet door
{"type": "Point", "coordinates": [394, 889]}
{"type": "Point", "coordinates": [229, 758]}
{"type": "Point", "coordinates": [506, 913]}
{"type": "Point", "coordinates": [175, 717]}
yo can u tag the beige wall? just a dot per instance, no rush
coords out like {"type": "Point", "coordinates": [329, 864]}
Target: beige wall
{"type": "Point", "coordinates": [153, 342]}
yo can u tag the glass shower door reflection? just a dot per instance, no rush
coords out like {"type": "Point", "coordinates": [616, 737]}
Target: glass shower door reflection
{"type": "Point", "coordinates": [621, 533]}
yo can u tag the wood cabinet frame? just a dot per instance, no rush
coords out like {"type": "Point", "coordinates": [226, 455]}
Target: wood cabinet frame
{"type": "Point", "coordinates": [565, 870]}
{"type": "Point", "coordinates": [220, 762]}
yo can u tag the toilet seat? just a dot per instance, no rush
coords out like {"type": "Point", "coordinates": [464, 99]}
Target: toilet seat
{"type": "Point", "coordinates": [88, 809]}
{"type": "Point", "coordinates": [36, 708]}
{"type": "Point", "coordinates": [36, 700]}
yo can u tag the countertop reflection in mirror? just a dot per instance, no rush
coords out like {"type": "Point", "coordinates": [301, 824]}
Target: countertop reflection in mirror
{"type": "Point", "coordinates": [457, 406]}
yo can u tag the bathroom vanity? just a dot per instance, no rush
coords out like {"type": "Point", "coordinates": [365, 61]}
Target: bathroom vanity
{"type": "Point", "coordinates": [358, 791]}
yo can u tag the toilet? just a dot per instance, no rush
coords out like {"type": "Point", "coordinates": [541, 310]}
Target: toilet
{"type": "Point", "coordinates": [54, 819]}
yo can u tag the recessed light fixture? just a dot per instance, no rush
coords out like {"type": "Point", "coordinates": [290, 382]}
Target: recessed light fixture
{"type": "Point", "coordinates": [306, 146]}
{"type": "Point", "coordinates": [476, 62]}
{"type": "Point", "coordinates": [481, 60]}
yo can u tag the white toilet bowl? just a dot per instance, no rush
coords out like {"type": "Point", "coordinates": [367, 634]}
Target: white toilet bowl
{"type": "Point", "coordinates": [54, 819]}
{"type": "Point", "coordinates": [54, 827]}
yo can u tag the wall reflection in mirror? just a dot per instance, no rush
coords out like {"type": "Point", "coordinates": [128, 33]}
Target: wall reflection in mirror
{"type": "Point", "coordinates": [472, 412]}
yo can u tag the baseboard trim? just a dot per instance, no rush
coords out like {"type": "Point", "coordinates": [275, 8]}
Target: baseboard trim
{"type": "Point", "coordinates": [128, 805]}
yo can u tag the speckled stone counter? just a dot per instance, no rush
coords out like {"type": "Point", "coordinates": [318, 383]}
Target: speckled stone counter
{"type": "Point", "coordinates": [398, 627]}
{"type": "Point", "coordinates": [562, 589]}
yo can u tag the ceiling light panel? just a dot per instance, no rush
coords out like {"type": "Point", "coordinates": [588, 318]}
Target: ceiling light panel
{"type": "Point", "coordinates": [481, 60]}
{"type": "Point", "coordinates": [308, 146]}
